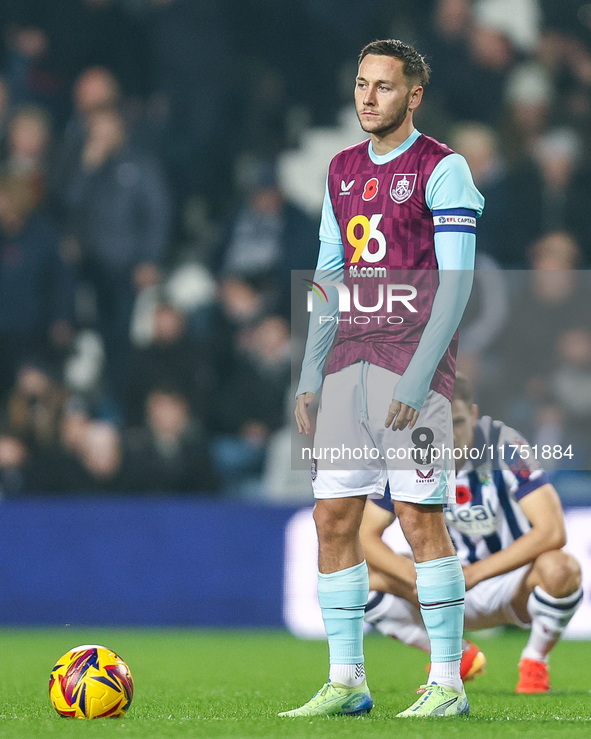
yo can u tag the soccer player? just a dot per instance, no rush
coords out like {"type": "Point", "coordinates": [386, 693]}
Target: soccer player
{"type": "Point", "coordinates": [508, 528]}
{"type": "Point", "coordinates": [400, 201]}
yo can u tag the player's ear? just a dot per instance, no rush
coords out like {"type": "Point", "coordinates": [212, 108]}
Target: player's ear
{"type": "Point", "coordinates": [416, 95]}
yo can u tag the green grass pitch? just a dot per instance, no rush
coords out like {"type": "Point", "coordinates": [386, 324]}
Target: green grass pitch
{"type": "Point", "coordinates": [232, 684]}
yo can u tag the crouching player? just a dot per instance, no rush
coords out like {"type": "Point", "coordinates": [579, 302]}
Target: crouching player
{"type": "Point", "coordinates": [508, 528]}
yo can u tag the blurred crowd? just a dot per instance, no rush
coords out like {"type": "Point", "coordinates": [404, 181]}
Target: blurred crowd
{"type": "Point", "coordinates": [146, 242]}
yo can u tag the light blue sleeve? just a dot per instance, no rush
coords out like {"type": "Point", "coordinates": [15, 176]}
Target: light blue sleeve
{"type": "Point", "coordinates": [323, 318]}
{"type": "Point", "coordinates": [450, 189]}
{"type": "Point", "coordinates": [332, 254]}
{"type": "Point", "coordinates": [451, 186]}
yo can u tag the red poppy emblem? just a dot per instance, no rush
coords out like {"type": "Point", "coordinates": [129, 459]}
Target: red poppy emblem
{"type": "Point", "coordinates": [463, 494]}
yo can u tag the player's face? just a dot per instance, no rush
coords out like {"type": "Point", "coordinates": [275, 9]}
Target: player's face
{"type": "Point", "coordinates": [464, 418]}
{"type": "Point", "coordinates": [383, 96]}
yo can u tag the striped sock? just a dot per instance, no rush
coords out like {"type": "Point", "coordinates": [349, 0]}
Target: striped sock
{"type": "Point", "coordinates": [441, 588]}
{"type": "Point", "coordinates": [549, 619]}
{"type": "Point", "coordinates": [343, 597]}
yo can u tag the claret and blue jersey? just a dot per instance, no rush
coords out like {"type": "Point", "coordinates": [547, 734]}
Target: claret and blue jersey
{"type": "Point", "coordinates": [385, 210]}
{"type": "Point", "coordinates": [412, 210]}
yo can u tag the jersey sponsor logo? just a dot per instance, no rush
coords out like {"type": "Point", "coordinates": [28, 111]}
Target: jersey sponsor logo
{"type": "Point", "coordinates": [368, 272]}
{"type": "Point", "coordinates": [402, 187]}
{"type": "Point", "coordinates": [371, 189]}
{"type": "Point", "coordinates": [363, 233]}
{"type": "Point", "coordinates": [346, 188]}
{"type": "Point", "coordinates": [476, 520]}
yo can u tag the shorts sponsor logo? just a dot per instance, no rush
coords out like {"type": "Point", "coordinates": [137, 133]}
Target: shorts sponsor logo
{"type": "Point", "coordinates": [423, 477]}
{"type": "Point", "coordinates": [402, 187]}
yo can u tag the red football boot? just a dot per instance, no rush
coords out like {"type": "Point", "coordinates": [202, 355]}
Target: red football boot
{"type": "Point", "coordinates": [533, 677]}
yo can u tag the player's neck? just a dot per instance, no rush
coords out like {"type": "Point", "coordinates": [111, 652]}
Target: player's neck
{"type": "Point", "coordinates": [383, 144]}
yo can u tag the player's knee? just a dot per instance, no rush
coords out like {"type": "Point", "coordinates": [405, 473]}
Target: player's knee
{"type": "Point", "coordinates": [424, 529]}
{"type": "Point", "coordinates": [559, 572]}
{"type": "Point", "coordinates": [334, 522]}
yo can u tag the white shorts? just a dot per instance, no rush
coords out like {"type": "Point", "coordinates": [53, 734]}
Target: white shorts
{"type": "Point", "coordinates": [488, 604]}
{"type": "Point", "coordinates": [355, 454]}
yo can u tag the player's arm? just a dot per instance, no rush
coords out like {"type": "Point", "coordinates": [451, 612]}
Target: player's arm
{"type": "Point", "coordinates": [388, 572]}
{"type": "Point", "coordinates": [544, 512]}
{"type": "Point", "coordinates": [323, 318]}
{"type": "Point", "coordinates": [450, 192]}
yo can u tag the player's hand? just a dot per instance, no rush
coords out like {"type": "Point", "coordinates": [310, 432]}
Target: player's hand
{"type": "Point", "coordinates": [401, 415]}
{"type": "Point", "coordinates": [301, 412]}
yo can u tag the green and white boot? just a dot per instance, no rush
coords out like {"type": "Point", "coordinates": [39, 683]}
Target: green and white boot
{"type": "Point", "coordinates": [334, 699]}
{"type": "Point", "coordinates": [438, 700]}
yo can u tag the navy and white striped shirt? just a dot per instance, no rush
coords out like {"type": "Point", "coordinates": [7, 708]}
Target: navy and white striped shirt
{"type": "Point", "coordinates": [487, 516]}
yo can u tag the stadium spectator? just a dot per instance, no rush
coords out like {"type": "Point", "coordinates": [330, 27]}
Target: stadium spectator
{"type": "Point", "coordinates": [101, 455]}
{"type": "Point", "coordinates": [564, 188]}
{"type": "Point", "coordinates": [241, 304]}
{"type": "Point", "coordinates": [528, 101]}
{"type": "Point", "coordinates": [95, 89]}
{"type": "Point", "coordinates": [552, 298]}
{"type": "Point", "coordinates": [191, 41]}
{"type": "Point", "coordinates": [251, 405]}
{"type": "Point", "coordinates": [119, 208]}
{"type": "Point", "coordinates": [50, 45]}
{"type": "Point", "coordinates": [36, 283]}
{"type": "Point", "coordinates": [33, 410]}
{"type": "Point", "coordinates": [483, 319]}
{"type": "Point", "coordinates": [570, 388]}
{"type": "Point", "coordinates": [171, 358]}
{"type": "Point", "coordinates": [479, 144]}
{"type": "Point", "coordinates": [169, 453]}
{"type": "Point", "coordinates": [27, 146]}
{"type": "Point", "coordinates": [269, 237]}
{"type": "Point", "coordinates": [445, 41]}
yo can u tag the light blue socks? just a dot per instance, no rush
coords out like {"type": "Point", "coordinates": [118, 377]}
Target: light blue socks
{"type": "Point", "coordinates": [441, 588]}
{"type": "Point", "coordinates": [343, 597]}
